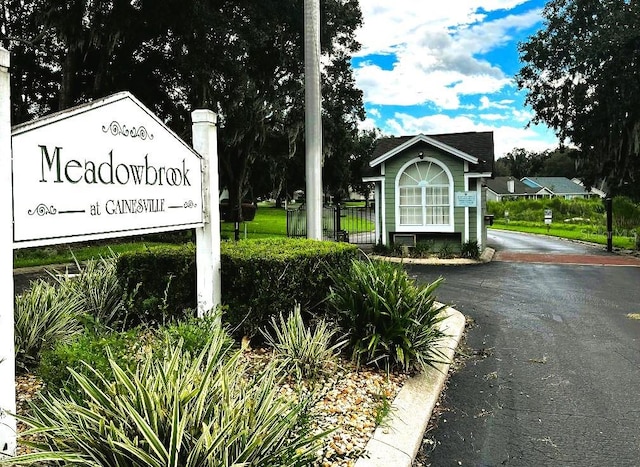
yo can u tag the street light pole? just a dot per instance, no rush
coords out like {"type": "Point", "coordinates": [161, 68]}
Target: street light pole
{"type": "Point", "coordinates": [313, 119]}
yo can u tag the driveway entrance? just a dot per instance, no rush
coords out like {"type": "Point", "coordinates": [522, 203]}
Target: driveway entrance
{"type": "Point", "coordinates": [528, 248]}
{"type": "Point", "coordinates": [551, 375]}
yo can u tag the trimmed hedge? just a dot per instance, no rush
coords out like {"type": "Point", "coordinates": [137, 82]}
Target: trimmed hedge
{"type": "Point", "coordinates": [263, 278]}
{"type": "Point", "coordinates": [260, 278]}
{"type": "Point", "coordinates": [159, 285]}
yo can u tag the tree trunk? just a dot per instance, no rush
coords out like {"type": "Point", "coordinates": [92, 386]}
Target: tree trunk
{"type": "Point", "coordinates": [68, 79]}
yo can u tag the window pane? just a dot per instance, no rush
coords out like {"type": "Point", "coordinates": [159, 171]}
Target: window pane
{"type": "Point", "coordinates": [410, 196]}
{"type": "Point", "coordinates": [411, 216]}
{"type": "Point", "coordinates": [424, 182]}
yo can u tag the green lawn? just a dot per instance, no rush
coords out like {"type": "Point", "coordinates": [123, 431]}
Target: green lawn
{"type": "Point", "coordinates": [269, 222]}
{"type": "Point", "coordinates": [62, 254]}
{"type": "Point", "coordinates": [272, 222]}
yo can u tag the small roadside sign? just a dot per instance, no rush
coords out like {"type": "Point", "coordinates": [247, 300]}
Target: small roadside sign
{"type": "Point", "coordinates": [548, 216]}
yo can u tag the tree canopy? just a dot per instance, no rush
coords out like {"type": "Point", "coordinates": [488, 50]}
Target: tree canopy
{"type": "Point", "coordinates": [241, 58]}
{"type": "Point", "coordinates": [521, 163]}
{"type": "Point", "coordinates": [581, 77]}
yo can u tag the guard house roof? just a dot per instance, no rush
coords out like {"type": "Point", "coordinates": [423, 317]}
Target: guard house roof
{"type": "Point", "coordinates": [474, 147]}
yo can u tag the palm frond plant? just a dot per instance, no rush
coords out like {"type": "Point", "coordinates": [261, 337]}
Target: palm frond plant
{"type": "Point", "coordinates": [309, 352]}
{"type": "Point", "coordinates": [44, 316]}
{"type": "Point", "coordinates": [180, 410]}
{"type": "Point", "coordinates": [390, 320]}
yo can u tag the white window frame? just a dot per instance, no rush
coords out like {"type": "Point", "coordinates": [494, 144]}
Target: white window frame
{"type": "Point", "coordinates": [449, 227]}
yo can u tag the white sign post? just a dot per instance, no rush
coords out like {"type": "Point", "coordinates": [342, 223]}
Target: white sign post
{"type": "Point", "coordinates": [109, 168]}
{"type": "Point", "coordinates": [208, 262]}
{"type": "Point", "coordinates": [7, 351]}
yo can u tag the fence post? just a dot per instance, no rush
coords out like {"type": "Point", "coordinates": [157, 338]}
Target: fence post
{"type": "Point", "coordinates": [7, 350]}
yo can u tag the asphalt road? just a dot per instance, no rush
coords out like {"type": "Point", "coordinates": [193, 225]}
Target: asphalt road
{"type": "Point", "coordinates": [503, 240]}
{"type": "Point", "coordinates": [553, 373]}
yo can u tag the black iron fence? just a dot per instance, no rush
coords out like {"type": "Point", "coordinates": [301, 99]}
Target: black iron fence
{"type": "Point", "coordinates": [339, 223]}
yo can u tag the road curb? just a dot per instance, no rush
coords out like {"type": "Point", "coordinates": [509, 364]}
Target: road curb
{"type": "Point", "coordinates": [487, 255]}
{"type": "Point", "coordinates": [398, 441]}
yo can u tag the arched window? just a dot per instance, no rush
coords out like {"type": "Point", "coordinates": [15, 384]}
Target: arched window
{"type": "Point", "coordinates": [424, 195]}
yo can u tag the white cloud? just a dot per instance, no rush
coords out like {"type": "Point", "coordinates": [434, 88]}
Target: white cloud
{"type": "Point", "coordinates": [438, 54]}
{"type": "Point", "coordinates": [435, 50]}
{"type": "Point", "coordinates": [492, 117]}
{"type": "Point", "coordinates": [374, 113]}
{"type": "Point", "coordinates": [388, 24]}
{"type": "Point", "coordinates": [486, 103]}
{"type": "Point", "coordinates": [524, 116]}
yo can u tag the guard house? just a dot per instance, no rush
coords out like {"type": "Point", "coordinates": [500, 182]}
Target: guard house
{"type": "Point", "coordinates": [430, 188]}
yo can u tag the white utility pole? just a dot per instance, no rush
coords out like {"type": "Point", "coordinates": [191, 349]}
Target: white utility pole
{"type": "Point", "coordinates": [7, 350]}
{"type": "Point", "coordinates": [208, 259]}
{"type": "Point", "coordinates": [313, 118]}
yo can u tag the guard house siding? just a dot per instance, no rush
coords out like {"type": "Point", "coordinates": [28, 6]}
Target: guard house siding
{"type": "Point", "coordinates": [393, 166]}
{"type": "Point", "coordinates": [454, 153]}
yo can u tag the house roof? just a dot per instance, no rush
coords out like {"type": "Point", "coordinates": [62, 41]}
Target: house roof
{"type": "Point", "coordinates": [557, 185]}
{"type": "Point", "coordinates": [499, 186]}
{"type": "Point", "coordinates": [474, 147]}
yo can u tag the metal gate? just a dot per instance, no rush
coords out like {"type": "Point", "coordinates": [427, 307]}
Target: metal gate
{"type": "Point", "coordinates": [339, 223]}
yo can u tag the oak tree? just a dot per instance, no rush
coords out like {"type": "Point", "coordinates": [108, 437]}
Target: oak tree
{"type": "Point", "coordinates": [580, 74]}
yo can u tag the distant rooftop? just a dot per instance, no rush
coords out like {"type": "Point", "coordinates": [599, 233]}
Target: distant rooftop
{"type": "Point", "coordinates": [558, 185]}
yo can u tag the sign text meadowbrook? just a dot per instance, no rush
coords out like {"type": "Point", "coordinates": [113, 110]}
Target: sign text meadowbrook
{"type": "Point", "coordinates": [58, 170]}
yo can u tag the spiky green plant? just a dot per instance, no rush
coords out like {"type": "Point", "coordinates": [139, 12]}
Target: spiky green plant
{"type": "Point", "coordinates": [96, 284]}
{"type": "Point", "coordinates": [181, 410]}
{"type": "Point", "coordinates": [390, 320]}
{"type": "Point", "coordinates": [44, 316]}
{"type": "Point", "coordinates": [309, 352]}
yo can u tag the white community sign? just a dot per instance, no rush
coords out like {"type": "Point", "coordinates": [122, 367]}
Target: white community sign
{"type": "Point", "coordinates": [108, 168]}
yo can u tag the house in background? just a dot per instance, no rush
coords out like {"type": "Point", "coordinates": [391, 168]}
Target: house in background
{"type": "Point", "coordinates": [595, 191]}
{"type": "Point", "coordinates": [510, 188]}
{"type": "Point", "coordinates": [558, 186]}
{"type": "Point", "coordinates": [430, 188]}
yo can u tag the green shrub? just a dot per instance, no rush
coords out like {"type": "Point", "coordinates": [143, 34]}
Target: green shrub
{"type": "Point", "coordinates": [159, 285]}
{"type": "Point", "coordinates": [626, 213]}
{"type": "Point", "coordinates": [389, 319]}
{"type": "Point", "coordinates": [381, 249]}
{"type": "Point", "coordinates": [423, 248]}
{"type": "Point", "coordinates": [44, 316]}
{"type": "Point", "coordinates": [533, 209]}
{"type": "Point", "coordinates": [309, 353]}
{"type": "Point", "coordinates": [446, 251]}
{"type": "Point", "coordinates": [265, 278]}
{"type": "Point", "coordinates": [127, 349]}
{"type": "Point", "coordinates": [90, 350]}
{"type": "Point", "coordinates": [260, 279]}
{"type": "Point", "coordinates": [194, 333]}
{"type": "Point", "coordinates": [181, 410]}
{"type": "Point", "coordinates": [470, 250]}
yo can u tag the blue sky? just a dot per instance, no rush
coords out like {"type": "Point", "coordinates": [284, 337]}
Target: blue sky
{"type": "Point", "coordinates": [440, 67]}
